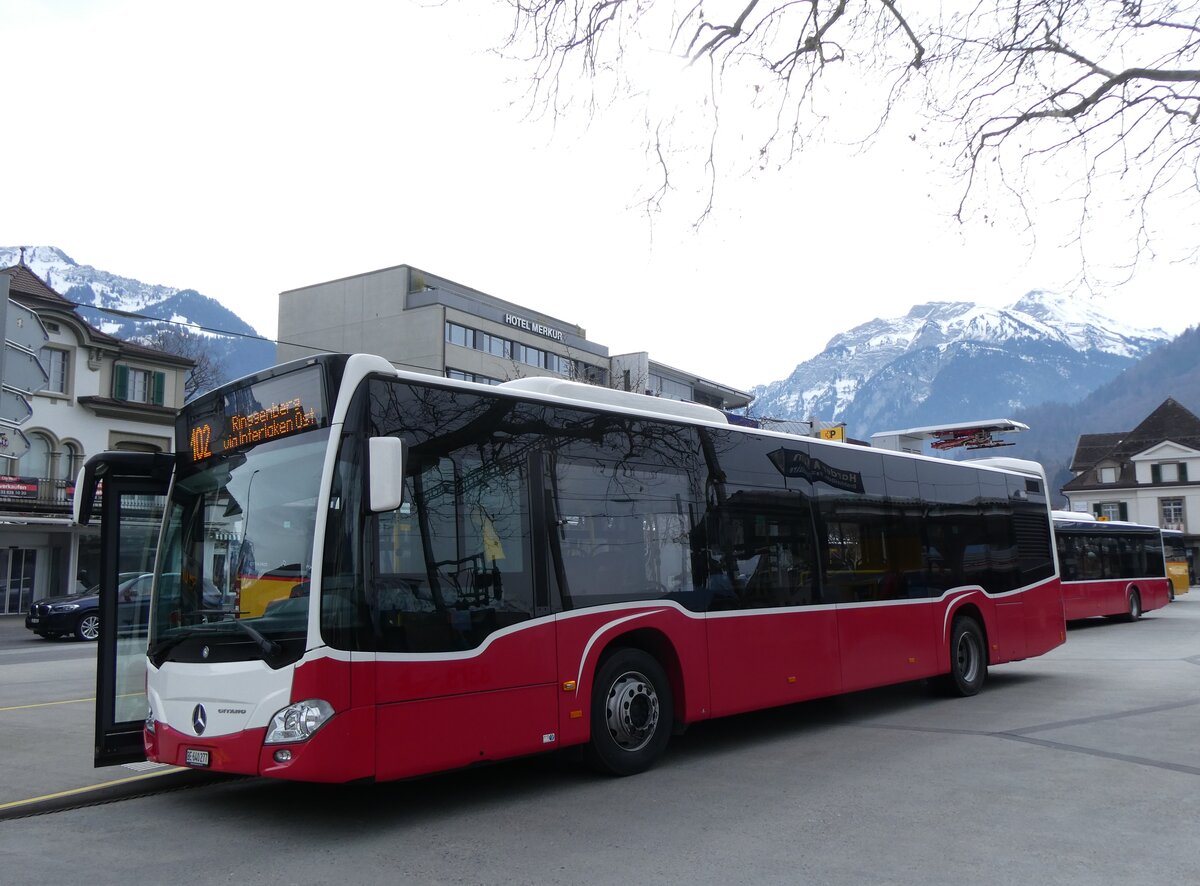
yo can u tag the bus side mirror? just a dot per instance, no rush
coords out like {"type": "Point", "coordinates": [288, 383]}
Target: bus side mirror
{"type": "Point", "coordinates": [84, 497]}
{"type": "Point", "coordinates": [386, 473]}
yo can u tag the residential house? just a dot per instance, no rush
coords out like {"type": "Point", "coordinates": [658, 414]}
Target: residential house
{"type": "Point", "coordinates": [1149, 475]}
{"type": "Point", "coordinates": [103, 394]}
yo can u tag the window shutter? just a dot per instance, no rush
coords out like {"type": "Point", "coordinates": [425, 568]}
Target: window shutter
{"type": "Point", "coordinates": [158, 386]}
{"type": "Point", "coordinates": [1124, 510]}
{"type": "Point", "coordinates": [1155, 473]}
{"type": "Point", "coordinates": [121, 382]}
{"type": "Point", "coordinates": [1096, 510]}
{"type": "Point", "coordinates": [1183, 472]}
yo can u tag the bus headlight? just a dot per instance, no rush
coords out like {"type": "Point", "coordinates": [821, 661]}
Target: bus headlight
{"type": "Point", "coordinates": [150, 721]}
{"type": "Point", "coordinates": [299, 721]}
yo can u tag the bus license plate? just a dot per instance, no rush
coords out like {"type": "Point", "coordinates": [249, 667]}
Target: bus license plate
{"type": "Point", "coordinates": [196, 757]}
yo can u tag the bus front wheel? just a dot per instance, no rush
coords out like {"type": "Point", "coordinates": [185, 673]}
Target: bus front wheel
{"type": "Point", "coordinates": [632, 713]}
{"type": "Point", "coordinates": [968, 659]}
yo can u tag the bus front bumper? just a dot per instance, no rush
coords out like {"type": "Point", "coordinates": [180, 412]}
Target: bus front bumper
{"type": "Point", "coordinates": [343, 750]}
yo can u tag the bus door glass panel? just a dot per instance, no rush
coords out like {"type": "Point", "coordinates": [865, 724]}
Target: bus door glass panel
{"type": "Point", "coordinates": [759, 552]}
{"type": "Point", "coordinates": [872, 550]}
{"type": "Point", "coordinates": [999, 565]}
{"type": "Point", "coordinates": [1091, 564]}
{"type": "Point", "coordinates": [623, 532]}
{"type": "Point", "coordinates": [1110, 570]}
{"type": "Point", "coordinates": [951, 498]}
{"type": "Point", "coordinates": [1072, 562]}
{"type": "Point", "coordinates": [1130, 557]}
{"type": "Point", "coordinates": [768, 644]}
{"type": "Point", "coordinates": [1153, 558]}
{"type": "Point", "coordinates": [132, 517]}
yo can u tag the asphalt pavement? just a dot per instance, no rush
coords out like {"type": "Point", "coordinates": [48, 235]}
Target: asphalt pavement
{"type": "Point", "coordinates": [47, 719]}
{"type": "Point", "coordinates": [1079, 767]}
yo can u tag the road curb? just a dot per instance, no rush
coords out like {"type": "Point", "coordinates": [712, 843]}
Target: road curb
{"type": "Point", "coordinates": [113, 791]}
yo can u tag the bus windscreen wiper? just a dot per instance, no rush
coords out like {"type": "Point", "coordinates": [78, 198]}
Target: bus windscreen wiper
{"type": "Point", "coordinates": [268, 648]}
{"type": "Point", "coordinates": [159, 652]}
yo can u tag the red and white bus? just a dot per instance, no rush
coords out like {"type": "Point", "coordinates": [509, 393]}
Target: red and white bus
{"type": "Point", "coordinates": [1110, 567]}
{"type": "Point", "coordinates": [476, 573]}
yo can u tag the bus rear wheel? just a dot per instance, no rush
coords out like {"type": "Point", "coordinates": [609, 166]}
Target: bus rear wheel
{"type": "Point", "coordinates": [632, 713]}
{"type": "Point", "coordinates": [968, 659]}
{"type": "Point", "coordinates": [1135, 606]}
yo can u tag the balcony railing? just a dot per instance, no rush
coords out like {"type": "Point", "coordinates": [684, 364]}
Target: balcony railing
{"type": "Point", "coordinates": [36, 494]}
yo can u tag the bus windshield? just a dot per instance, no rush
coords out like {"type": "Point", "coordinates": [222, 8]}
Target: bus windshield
{"type": "Point", "coordinates": [236, 556]}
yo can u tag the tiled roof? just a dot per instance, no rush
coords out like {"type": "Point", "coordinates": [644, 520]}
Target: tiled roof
{"type": "Point", "coordinates": [25, 284]}
{"type": "Point", "coordinates": [1170, 421]}
{"type": "Point", "coordinates": [22, 281]}
{"type": "Point", "coordinates": [1093, 447]}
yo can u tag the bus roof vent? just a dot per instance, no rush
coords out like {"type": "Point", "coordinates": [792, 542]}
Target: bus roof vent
{"type": "Point", "coordinates": [581, 393]}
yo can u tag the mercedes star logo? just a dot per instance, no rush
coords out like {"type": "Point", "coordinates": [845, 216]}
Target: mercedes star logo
{"type": "Point", "coordinates": [199, 719]}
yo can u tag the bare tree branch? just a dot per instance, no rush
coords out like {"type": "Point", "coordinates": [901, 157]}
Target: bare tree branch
{"type": "Point", "coordinates": [1108, 91]}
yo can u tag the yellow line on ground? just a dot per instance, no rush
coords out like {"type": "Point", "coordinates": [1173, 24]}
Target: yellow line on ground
{"type": "Point", "coordinates": [46, 704]}
{"type": "Point", "coordinates": [93, 787]}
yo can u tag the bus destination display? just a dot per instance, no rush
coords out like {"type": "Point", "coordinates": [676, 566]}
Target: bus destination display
{"type": "Point", "coordinates": [259, 413]}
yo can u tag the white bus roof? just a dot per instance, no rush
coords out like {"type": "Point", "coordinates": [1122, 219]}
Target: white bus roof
{"type": "Point", "coordinates": [578, 391]}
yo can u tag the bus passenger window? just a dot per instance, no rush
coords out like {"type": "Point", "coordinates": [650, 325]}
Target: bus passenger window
{"type": "Point", "coordinates": [452, 564]}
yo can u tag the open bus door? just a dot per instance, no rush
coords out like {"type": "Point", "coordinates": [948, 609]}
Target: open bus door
{"type": "Point", "coordinates": [128, 490]}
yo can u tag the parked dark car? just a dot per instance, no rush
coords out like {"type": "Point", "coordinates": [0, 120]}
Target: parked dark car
{"type": "Point", "coordinates": [133, 602]}
{"type": "Point", "coordinates": [77, 615]}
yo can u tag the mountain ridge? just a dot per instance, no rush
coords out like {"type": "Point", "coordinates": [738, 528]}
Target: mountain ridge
{"type": "Point", "coordinates": [940, 362]}
{"type": "Point", "coordinates": [105, 300]}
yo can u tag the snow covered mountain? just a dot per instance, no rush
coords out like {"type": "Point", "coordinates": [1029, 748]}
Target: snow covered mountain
{"type": "Point", "coordinates": [97, 292]}
{"type": "Point", "coordinates": [958, 361]}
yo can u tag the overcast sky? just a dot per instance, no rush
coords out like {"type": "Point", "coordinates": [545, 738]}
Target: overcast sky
{"type": "Point", "coordinates": [246, 148]}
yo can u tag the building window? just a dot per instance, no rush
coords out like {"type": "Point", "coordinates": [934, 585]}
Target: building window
{"type": "Point", "coordinates": [529, 356]}
{"type": "Point", "coordinates": [1112, 510]}
{"type": "Point", "coordinates": [1108, 475]}
{"type": "Point", "coordinates": [70, 462]}
{"type": "Point", "coordinates": [136, 446]}
{"type": "Point", "coordinates": [493, 344]}
{"type": "Point", "coordinates": [669, 388]}
{"type": "Point", "coordinates": [56, 363]}
{"type": "Point", "coordinates": [497, 346]}
{"type": "Point", "coordinates": [37, 460]}
{"type": "Point", "coordinates": [1168, 472]}
{"type": "Point", "coordinates": [460, 375]}
{"type": "Point", "coordinates": [1170, 513]}
{"type": "Point", "coordinates": [139, 385]}
{"type": "Point", "coordinates": [460, 335]}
